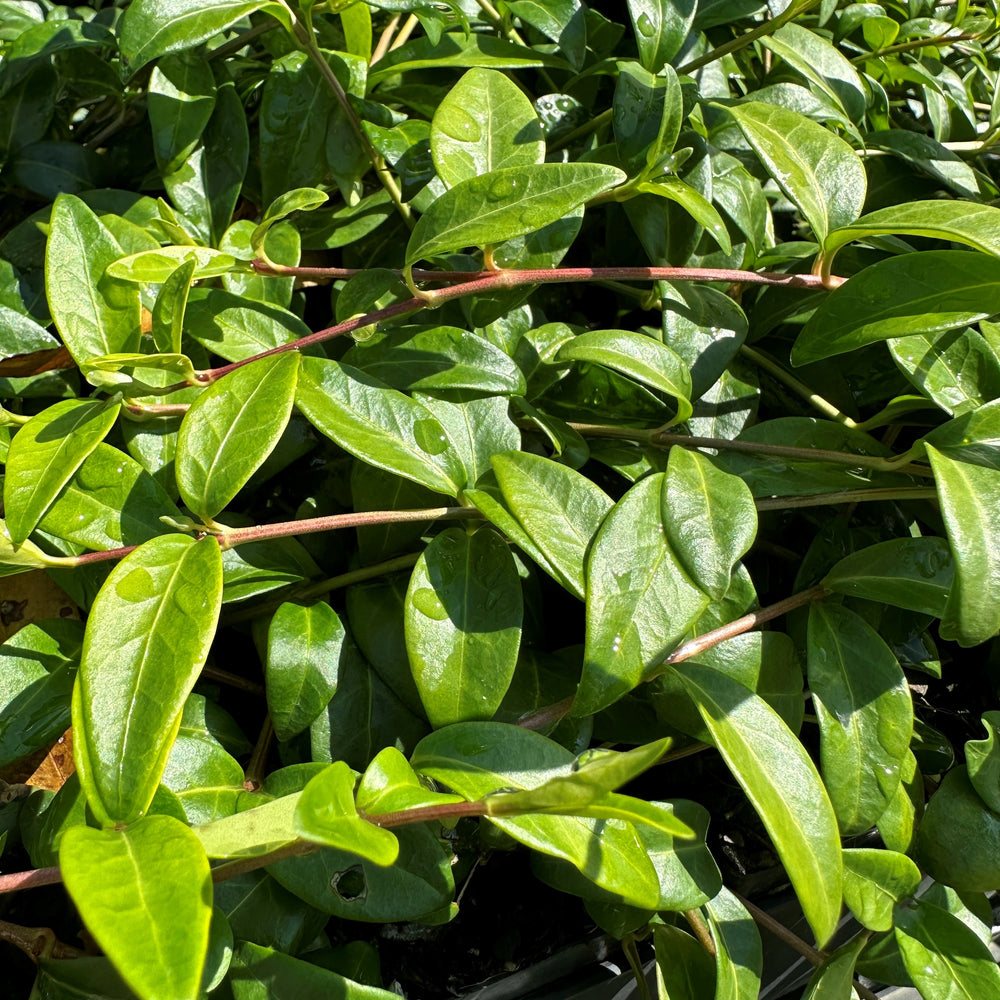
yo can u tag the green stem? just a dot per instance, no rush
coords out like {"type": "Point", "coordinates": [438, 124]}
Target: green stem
{"type": "Point", "coordinates": [635, 964]}
{"type": "Point", "coordinates": [784, 376]}
{"type": "Point", "coordinates": [382, 172]}
{"type": "Point", "coordinates": [915, 43]}
{"type": "Point", "coordinates": [789, 14]}
{"type": "Point", "coordinates": [848, 496]}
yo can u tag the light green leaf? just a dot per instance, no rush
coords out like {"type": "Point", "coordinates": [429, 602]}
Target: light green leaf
{"type": "Point", "coordinates": [21, 558]}
{"type": "Point", "coordinates": [970, 496]}
{"type": "Point", "coordinates": [252, 832]}
{"type": "Point", "coordinates": [640, 357]}
{"type": "Point", "coordinates": [661, 26]}
{"type": "Point", "coordinates": [834, 978]}
{"type": "Point", "coordinates": [389, 784]}
{"type": "Point", "coordinates": [168, 311]}
{"type": "Point", "coordinates": [913, 293]}
{"type": "Point", "coordinates": [300, 200]}
{"type": "Point", "coordinates": [506, 203]}
{"type": "Point", "coordinates": [303, 660]}
{"type": "Point", "coordinates": [912, 573]}
{"type": "Point", "coordinates": [326, 814]}
{"type": "Point", "coordinates": [638, 608]}
{"type": "Point", "coordinates": [230, 430]}
{"type": "Point", "coordinates": [94, 313]}
{"type": "Point", "coordinates": [148, 634]}
{"type": "Point", "coordinates": [157, 27]}
{"type": "Point", "coordinates": [44, 455]}
{"type": "Point", "coordinates": [379, 425]}
{"type": "Point", "coordinates": [145, 894]}
{"type": "Point", "coordinates": [865, 714]}
{"type": "Point", "coordinates": [781, 782]}
{"type": "Point", "coordinates": [944, 957]}
{"type": "Point", "coordinates": [738, 953]}
{"type": "Point", "coordinates": [694, 203]}
{"type": "Point", "coordinates": [982, 758]}
{"type": "Point", "coordinates": [484, 123]}
{"type": "Point", "coordinates": [477, 758]}
{"type": "Point", "coordinates": [815, 168]}
{"type": "Point", "coordinates": [875, 881]}
{"type": "Point", "coordinates": [155, 266]}
{"type": "Point", "coordinates": [709, 517]}
{"type": "Point", "coordinates": [463, 624]}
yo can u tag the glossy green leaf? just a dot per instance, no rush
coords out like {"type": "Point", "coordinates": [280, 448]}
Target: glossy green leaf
{"type": "Point", "coordinates": [694, 203]}
{"type": "Point", "coordinates": [158, 27]}
{"type": "Point", "coordinates": [913, 573]}
{"type": "Point", "coordinates": [145, 894]}
{"type": "Point", "coordinates": [389, 784]}
{"type": "Point", "coordinates": [709, 517]}
{"type": "Point", "coordinates": [303, 659]}
{"type": "Point", "coordinates": [155, 266]}
{"type": "Point", "coordinates": [21, 558]}
{"type": "Point", "coordinates": [147, 638]}
{"type": "Point", "coordinates": [552, 513]}
{"type": "Point", "coordinates": [506, 203]}
{"type": "Point", "coordinates": [660, 29]}
{"type": "Point", "coordinates": [562, 21]}
{"type": "Point", "coordinates": [982, 757]}
{"type": "Point", "coordinates": [299, 200]}
{"type": "Point", "coordinates": [897, 826]}
{"type": "Point", "coordinates": [463, 624]}
{"type": "Point", "coordinates": [919, 292]}
{"type": "Point", "coordinates": [93, 311]}
{"type": "Point", "coordinates": [781, 782]}
{"type": "Point", "coordinates": [168, 310]}
{"type": "Point", "coordinates": [646, 115]}
{"type": "Point", "coordinates": [865, 714]}
{"type": "Point", "coordinates": [259, 973]}
{"type": "Point", "coordinates": [834, 978]}
{"type": "Point", "coordinates": [640, 357]}
{"type": "Point", "coordinates": [959, 837]}
{"type": "Point", "coordinates": [230, 430]}
{"type": "Point", "coordinates": [256, 830]}
{"type": "Point", "coordinates": [483, 124]}
{"type": "Point", "coordinates": [874, 882]}
{"type": "Point", "coordinates": [379, 425]}
{"type": "Point", "coordinates": [957, 369]}
{"type": "Point", "coordinates": [477, 758]}
{"type": "Point", "coordinates": [44, 455]}
{"type": "Point", "coordinates": [738, 953]}
{"type": "Point", "coordinates": [969, 495]}
{"type": "Point", "coordinates": [181, 100]}
{"type": "Point", "coordinates": [817, 170]}
{"type": "Point", "coordinates": [944, 957]}
{"type": "Point", "coordinates": [637, 609]}
{"type": "Point", "coordinates": [326, 814]}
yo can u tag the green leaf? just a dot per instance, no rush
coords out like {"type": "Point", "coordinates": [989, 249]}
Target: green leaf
{"type": "Point", "coordinates": [303, 659]}
{"type": "Point", "coordinates": [646, 115]}
{"type": "Point", "coordinates": [781, 782]}
{"type": "Point", "coordinates": [326, 814]}
{"type": "Point", "coordinates": [637, 609]}
{"type": "Point", "coordinates": [168, 311]}
{"type": "Point", "coordinates": [694, 203]}
{"type": "Point", "coordinates": [834, 978]}
{"type": "Point", "coordinates": [236, 328]}
{"type": "Point", "coordinates": [389, 784]}
{"type": "Point", "coordinates": [44, 455]}
{"type": "Point", "coordinates": [660, 29]}
{"type": "Point", "coordinates": [303, 199]}
{"type": "Point", "coordinates": [157, 27]}
{"type": "Point", "coordinates": [874, 882]}
{"type": "Point", "coordinates": [94, 313]}
{"type": "Point", "coordinates": [640, 357]}
{"type": "Point", "coordinates": [865, 714]}
{"type": "Point", "coordinates": [21, 558]}
{"type": "Point", "coordinates": [476, 758]}
{"type": "Point", "coordinates": [959, 838]}
{"type": "Point", "coordinates": [230, 430]}
{"type": "Point", "coordinates": [256, 830]}
{"type": "Point", "coordinates": [562, 21]}
{"type": "Point", "coordinates": [378, 425]}
{"type": "Point", "coordinates": [552, 512]}
{"type": "Point", "coordinates": [969, 496]}
{"type": "Point", "coordinates": [913, 573]}
{"type": "Point", "coordinates": [684, 969]}
{"type": "Point", "coordinates": [738, 953]}
{"type": "Point", "coordinates": [944, 957]}
{"type": "Point", "coordinates": [463, 624]}
{"type": "Point", "coordinates": [258, 973]}
{"type": "Point", "coordinates": [180, 100]}
{"type": "Point", "coordinates": [483, 124]}
{"type": "Point", "coordinates": [916, 292]}
{"type": "Point", "coordinates": [147, 638]}
{"type": "Point", "coordinates": [709, 517]}
{"type": "Point", "coordinates": [959, 221]}
{"type": "Point", "coordinates": [982, 757]}
{"type": "Point", "coordinates": [145, 894]}
{"type": "Point", "coordinates": [957, 369]}
{"type": "Point", "coordinates": [155, 266]}
{"type": "Point", "coordinates": [816, 169]}
{"type": "Point", "coordinates": [506, 203]}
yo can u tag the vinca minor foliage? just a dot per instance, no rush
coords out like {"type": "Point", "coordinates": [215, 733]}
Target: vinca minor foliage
{"type": "Point", "coordinates": [471, 407]}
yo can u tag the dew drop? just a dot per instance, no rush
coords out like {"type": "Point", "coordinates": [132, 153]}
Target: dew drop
{"type": "Point", "coordinates": [427, 602]}
{"type": "Point", "coordinates": [645, 25]}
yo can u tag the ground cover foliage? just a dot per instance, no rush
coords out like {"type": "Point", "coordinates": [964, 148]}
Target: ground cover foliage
{"type": "Point", "coordinates": [557, 432]}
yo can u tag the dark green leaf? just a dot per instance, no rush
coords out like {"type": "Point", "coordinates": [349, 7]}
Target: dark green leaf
{"type": "Point", "coordinates": [738, 958]}
{"type": "Point", "coordinates": [684, 969]}
{"type": "Point", "coordinates": [181, 98]}
{"type": "Point", "coordinates": [660, 29]}
{"type": "Point", "coordinates": [238, 329]}
{"type": "Point", "coordinates": [646, 114]}
{"type": "Point", "coordinates": [983, 760]}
